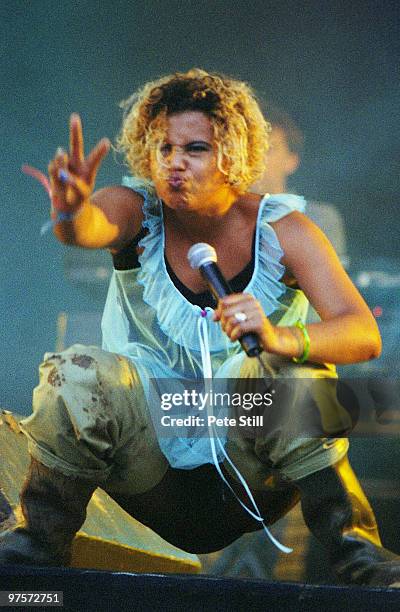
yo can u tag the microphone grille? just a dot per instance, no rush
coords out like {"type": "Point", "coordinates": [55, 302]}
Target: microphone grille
{"type": "Point", "coordinates": [200, 254]}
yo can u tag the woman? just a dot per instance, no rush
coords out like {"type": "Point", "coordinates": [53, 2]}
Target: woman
{"type": "Point", "coordinates": [194, 143]}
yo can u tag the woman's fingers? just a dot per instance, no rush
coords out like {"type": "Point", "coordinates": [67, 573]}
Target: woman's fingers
{"type": "Point", "coordinates": [72, 177]}
{"type": "Point", "coordinates": [231, 303]}
{"type": "Point", "coordinates": [77, 153]}
{"type": "Point", "coordinates": [76, 189]}
{"type": "Point", "coordinates": [68, 190]}
{"type": "Point", "coordinates": [85, 168]}
{"type": "Point", "coordinates": [239, 313]}
{"type": "Point", "coordinates": [235, 328]}
{"type": "Point", "coordinates": [237, 304]}
{"type": "Point", "coordinates": [57, 187]}
{"type": "Point", "coordinates": [96, 156]}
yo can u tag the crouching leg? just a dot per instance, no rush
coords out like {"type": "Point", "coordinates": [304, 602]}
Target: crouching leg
{"type": "Point", "coordinates": [337, 512]}
{"type": "Point", "coordinates": [54, 508]}
{"type": "Point", "coordinates": [89, 427]}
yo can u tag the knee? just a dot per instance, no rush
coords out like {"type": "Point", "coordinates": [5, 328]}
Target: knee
{"type": "Point", "coordinates": [87, 394]}
{"type": "Point", "coordinates": [87, 374]}
{"type": "Point", "coordinates": [84, 408]}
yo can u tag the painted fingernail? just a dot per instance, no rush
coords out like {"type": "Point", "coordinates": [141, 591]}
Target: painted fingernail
{"type": "Point", "coordinates": [63, 176]}
{"type": "Point", "coordinates": [60, 151]}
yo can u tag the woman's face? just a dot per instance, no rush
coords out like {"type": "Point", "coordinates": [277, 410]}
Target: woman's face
{"type": "Point", "coordinates": [185, 171]}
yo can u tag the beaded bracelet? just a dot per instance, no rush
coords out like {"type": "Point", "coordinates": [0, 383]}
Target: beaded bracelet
{"type": "Point", "coordinates": [307, 343]}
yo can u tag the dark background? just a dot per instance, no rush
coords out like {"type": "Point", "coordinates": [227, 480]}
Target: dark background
{"type": "Point", "coordinates": [332, 65]}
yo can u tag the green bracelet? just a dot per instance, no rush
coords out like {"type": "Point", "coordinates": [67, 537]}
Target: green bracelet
{"type": "Point", "coordinates": [307, 343]}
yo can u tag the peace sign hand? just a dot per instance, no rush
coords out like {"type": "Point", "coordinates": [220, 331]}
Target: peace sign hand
{"type": "Point", "coordinates": [72, 176]}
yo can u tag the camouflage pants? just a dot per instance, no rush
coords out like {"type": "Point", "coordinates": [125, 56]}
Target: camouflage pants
{"type": "Point", "coordinates": [90, 419]}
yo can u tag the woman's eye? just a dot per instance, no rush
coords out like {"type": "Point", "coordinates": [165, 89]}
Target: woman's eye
{"type": "Point", "coordinates": [192, 148]}
{"type": "Point", "coordinates": [197, 148]}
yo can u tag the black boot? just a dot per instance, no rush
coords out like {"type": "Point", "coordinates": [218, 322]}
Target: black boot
{"type": "Point", "coordinates": [54, 508]}
{"type": "Point", "coordinates": [337, 512]}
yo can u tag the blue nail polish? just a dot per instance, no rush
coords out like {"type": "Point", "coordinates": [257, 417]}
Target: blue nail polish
{"type": "Point", "coordinates": [63, 176]}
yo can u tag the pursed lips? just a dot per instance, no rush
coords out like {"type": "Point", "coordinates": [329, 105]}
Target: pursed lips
{"type": "Point", "coordinates": [175, 181]}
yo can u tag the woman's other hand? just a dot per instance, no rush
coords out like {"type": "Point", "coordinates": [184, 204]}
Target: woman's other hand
{"type": "Point", "coordinates": [241, 313]}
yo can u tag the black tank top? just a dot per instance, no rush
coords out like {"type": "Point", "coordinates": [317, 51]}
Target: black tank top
{"type": "Point", "coordinates": [128, 259]}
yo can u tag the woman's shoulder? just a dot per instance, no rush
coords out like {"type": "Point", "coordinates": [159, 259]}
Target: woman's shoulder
{"type": "Point", "coordinates": [279, 205]}
{"type": "Point", "coordinates": [297, 235]}
{"type": "Point", "coordinates": [301, 240]}
{"type": "Point", "coordinates": [273, 207]}
{"type": "Point", "coordinates": [297, 224]}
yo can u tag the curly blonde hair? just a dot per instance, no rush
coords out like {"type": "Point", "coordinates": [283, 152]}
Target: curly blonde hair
{"type": "Point", "coordinates": [241, 134]}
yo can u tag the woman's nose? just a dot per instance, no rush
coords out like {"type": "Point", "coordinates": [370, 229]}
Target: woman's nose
{"type": "Point", "coordinates": [177, 158]}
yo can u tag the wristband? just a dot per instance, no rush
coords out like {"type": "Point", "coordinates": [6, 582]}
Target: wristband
{"type": "Point", "coordinates": [306, 343]}
{"type": "Point", "coordinates": [57, 216]}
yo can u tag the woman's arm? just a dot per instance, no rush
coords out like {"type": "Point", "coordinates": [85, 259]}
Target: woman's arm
{"type": "Point", "coordinates": [110, 218]}
{"type": "Point", "coordinates": [347, 332]}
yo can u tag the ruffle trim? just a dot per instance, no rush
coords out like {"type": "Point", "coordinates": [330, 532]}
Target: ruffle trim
{"type": "Point", "coordinates": [176, 316]}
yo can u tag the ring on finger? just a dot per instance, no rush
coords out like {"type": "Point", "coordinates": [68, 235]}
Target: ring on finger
{"type": "Point", "coordinates": [240, 316]}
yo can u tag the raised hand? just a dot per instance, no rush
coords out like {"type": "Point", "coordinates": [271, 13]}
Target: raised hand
{"type": "Point", "coordinates": [72, 176]}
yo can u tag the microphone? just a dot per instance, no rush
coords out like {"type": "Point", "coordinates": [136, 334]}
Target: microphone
{"type": "Point", "coordinates": [203, 257]}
